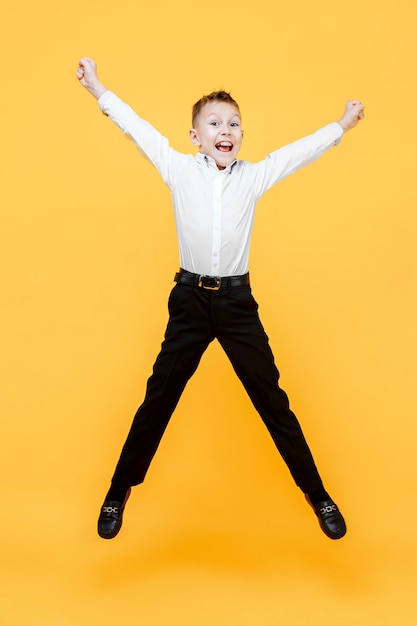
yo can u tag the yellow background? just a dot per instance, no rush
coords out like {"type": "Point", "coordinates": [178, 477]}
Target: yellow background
{"type": "Point", "coordinates": [218, 535]}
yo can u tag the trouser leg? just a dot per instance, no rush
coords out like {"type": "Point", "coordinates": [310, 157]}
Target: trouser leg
{"type": "Point", "coordinates": [241, 334]}
{"type": "Point", "coordinates": [187, 336]}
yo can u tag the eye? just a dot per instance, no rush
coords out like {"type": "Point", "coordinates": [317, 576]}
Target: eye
{"type": "Point", "coordinates": [214, 123]}
{"type": "Point", "coordinates": [234, 124]}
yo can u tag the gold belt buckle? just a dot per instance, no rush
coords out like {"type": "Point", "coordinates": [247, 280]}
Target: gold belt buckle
{"type": "Point", "coordinates": [213, 283]}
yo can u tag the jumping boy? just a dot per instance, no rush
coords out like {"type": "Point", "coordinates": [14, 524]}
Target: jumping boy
{"type": "Point", "coordinates": [214, 198]}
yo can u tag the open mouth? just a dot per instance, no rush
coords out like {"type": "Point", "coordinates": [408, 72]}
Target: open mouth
{"type": "Point", "coordinates": [224, 146]}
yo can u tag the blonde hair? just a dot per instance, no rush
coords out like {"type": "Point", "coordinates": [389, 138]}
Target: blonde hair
{"type": "Point", "coordinates": [220, 96]}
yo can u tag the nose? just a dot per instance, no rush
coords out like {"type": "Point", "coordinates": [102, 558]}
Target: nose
{"type": "Point", "coordinates": [225, 130]}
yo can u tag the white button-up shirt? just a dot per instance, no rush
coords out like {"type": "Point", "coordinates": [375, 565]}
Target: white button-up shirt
{"type": "Point", "coordinates": [214, 209]}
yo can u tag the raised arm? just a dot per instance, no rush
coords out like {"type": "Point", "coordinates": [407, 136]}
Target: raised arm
{"type": "Point", "coordinates": [87, 75]}
{"type": "Point", "coordinates": [354, 112]}
{"type": "Point", "coordinates": [150, 142]}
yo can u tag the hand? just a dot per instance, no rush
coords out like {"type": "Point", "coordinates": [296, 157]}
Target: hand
{"type": "Point", "coordinates": [354, 112]}
{"type": "Point", "coordinates": [87, 75]}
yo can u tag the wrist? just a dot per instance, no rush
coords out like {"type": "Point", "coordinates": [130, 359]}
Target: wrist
{"type": "Point", "coordinates": [97, 89]}
{"type": "Point", "coordinates": [343, 125]}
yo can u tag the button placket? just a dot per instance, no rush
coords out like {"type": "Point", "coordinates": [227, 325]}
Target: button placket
{"type": "Point", "coordinates": [217, 225]}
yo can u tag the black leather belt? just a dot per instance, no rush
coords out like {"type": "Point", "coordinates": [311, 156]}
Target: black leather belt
{"type": "Point", "coordinates": [212, 283]}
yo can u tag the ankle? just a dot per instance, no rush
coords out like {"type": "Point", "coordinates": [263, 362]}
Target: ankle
{"type": "Point", "coordinates": [116, 493]}
{"type": "Point", "coordinates": [318, 495]}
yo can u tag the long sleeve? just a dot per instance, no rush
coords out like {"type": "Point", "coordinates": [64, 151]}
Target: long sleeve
{"type": "Point", "coordinates": [292, 157]}
{"type": "Point", "coordinates": [147, 139]}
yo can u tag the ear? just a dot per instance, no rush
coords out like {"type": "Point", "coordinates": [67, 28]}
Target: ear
{"type": "Point", "coordinates": [194, 137]}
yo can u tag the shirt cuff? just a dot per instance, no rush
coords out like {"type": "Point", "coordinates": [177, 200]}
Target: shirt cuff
{"type": "Point", "coordinates": [104, 98]}
{"type": "Point", "coordinates": [338, 132]}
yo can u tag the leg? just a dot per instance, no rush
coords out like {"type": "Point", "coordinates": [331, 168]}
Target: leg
{"type": "Point", "coordinates": [187, 337]}
{"type": "Point", "coordinates": [243, 338]}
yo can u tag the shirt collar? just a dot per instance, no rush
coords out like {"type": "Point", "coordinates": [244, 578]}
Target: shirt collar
{"type": "Point", "coordinates": [210, 162]}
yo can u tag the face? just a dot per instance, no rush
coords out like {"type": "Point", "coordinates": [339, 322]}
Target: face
{"type": "Point", "coordinates": [218, 132]}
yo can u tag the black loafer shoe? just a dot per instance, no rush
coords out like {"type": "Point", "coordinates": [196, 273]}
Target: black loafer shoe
{"type": "Point", "coordinates": [330, 518]}
{"type": "Point", "coordinates": [111, 517]}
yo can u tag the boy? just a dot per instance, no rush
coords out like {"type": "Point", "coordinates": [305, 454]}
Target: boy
{"type": "Point", "coordinates": [214, 198]}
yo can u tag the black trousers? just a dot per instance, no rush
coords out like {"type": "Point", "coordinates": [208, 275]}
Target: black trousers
{"type": "Point", "coordinates": [197, 317]}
